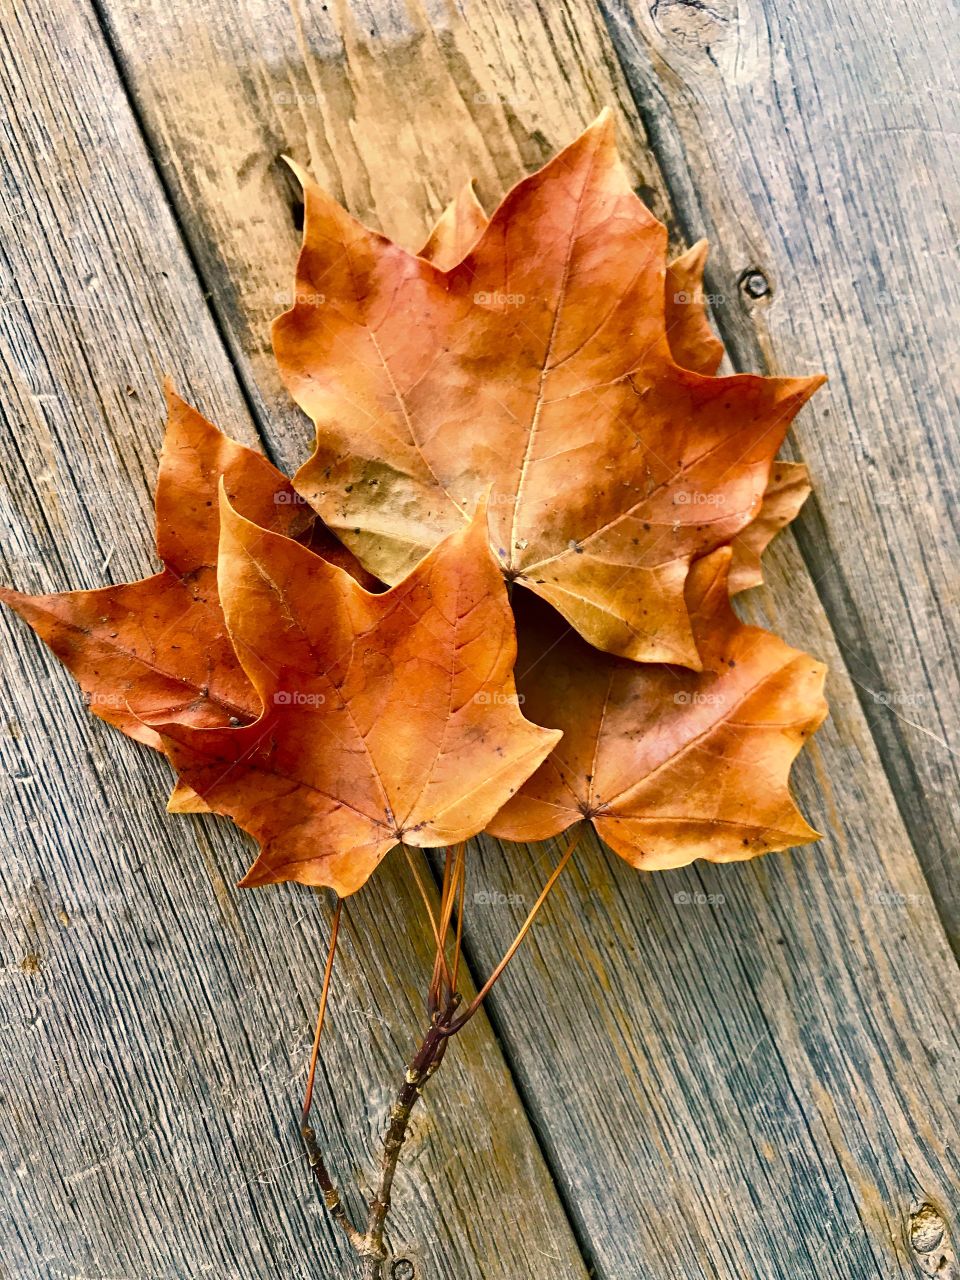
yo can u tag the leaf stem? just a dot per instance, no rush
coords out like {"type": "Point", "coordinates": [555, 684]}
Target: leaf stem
{"type": "Point", "coordinates": [434, 992]}
{"type": "Point", "coordinates": [327, 974]}
{"type": "Point", "coordinates": [458, 944]}
{"type": "Point", "coordinates": [440, 963]}
{"type": "Point", "coordinates": [331, 1196]}
{"type": "Point", "coordinates": [511, 951]}
{"type": "Point", "coordinates": [428, 1056]}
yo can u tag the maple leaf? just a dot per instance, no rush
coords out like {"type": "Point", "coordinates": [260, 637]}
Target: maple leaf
{"type": "Point", "coordinates": [786, 493]}
{"type": "Point", "coordinates": [384, 717]}
{"type": "Point", "coordinates": [538, 366]}
{"type": "Point", "coordinates": [668, 764]}
{"type": "Point", "coordinates": [693, 345]}
{"type": "Point", "coordinates": [457, 229]}
{"type": "Point", "coordinates": [159, 647]}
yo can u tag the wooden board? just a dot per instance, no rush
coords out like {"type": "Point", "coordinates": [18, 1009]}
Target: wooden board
{"type": "Point", "coordinates": [156, 1022]}
{"type": "Point", "coordinates": [762, 1086]}
{"type": "Point", "coordinates": [821, 149]}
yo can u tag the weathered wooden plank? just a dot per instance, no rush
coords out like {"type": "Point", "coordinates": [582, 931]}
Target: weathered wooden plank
{"type": "Point", "coordinates": [390, 118]}
{"type": "Point", "coordinates": [761, 1086]}
{"type": "Point", "coordinates": [838, 177]}
{"type": "Point", "coordinates": [156, 1022]}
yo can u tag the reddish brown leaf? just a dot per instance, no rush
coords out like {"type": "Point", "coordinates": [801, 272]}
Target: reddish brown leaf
{"type": "Point", "coordinates": [786, 493]}
{"type": "Point", "coordinates": [693, 343]}
{"type": "Point", "coordinates": [158, 647]}
{"type": "Point", "coordinates": [669, 764]}
{"type": "Point", "coordinates": [538, 366]}
{"type": "Point", "coordinates": [384, 717]}
{"type": "Point", "coordinates": [458, 229]}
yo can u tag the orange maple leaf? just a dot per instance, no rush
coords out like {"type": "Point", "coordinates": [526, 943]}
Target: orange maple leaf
{"type": "Point", "coordinates": [159, 647]}
{"type": "Point", "coordinates": [384, 718]}
{"type": "Point", "coordinates": [538, 366]}
{"type": "Point", "coordinates": [668, 764]}
{"type": "Point", "coordinates": [786, 493]}
{"type": "Point", "coordinates": [693, 345]}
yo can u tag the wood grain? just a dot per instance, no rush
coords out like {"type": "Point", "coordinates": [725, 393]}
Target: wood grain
{"type": "Point", "coordinates": [721, 1074]}
{"type": "Point", "coordinates": [390, 114]}
{"type": "Point", "coordinates": [762, 1085]}
{"type": "Point", "coordinates": [156, 1022]}
{"type": "Point", "coordinates": [821, 149]}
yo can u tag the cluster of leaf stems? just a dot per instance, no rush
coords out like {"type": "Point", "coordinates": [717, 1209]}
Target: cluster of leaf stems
{"type": "Point", "coordinates": [445, 1021]}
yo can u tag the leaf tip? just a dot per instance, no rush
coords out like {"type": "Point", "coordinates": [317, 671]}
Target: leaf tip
{"type": "Point", "coordinates": [297, 170]}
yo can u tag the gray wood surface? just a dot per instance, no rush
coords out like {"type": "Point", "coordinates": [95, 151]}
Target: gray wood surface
{"type": "Point", "coordinates": [819, 146]}
{"type": "Point", "coordinates": [157, 1021]}
{"type": "Point", "coordinates": [763, 1085]}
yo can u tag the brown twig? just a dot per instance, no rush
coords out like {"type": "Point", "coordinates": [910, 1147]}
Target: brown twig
{"type": "Point", "coordinates": [423, 1065]}
{"type": "Point", "coordinates": [443, 1002]}
{"type": "Point", "coordinates": [331, 1196]}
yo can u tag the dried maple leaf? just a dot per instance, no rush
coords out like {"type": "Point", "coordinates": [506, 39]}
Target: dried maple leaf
{"type": "Point", "coordinates": [158, 647]}
{"type": "Point", "coordinates": [669, 764]}
{"type": "Point", "coordinates": [458, 228]}
{"type": "Point", "coordinates": [693, 345]}
{"type": "Point", "coordinates": [786, 493]}
{"type": "Point", "coordinates": [384, 717]}
{"type": "Point", "coordinates": [538, 366]}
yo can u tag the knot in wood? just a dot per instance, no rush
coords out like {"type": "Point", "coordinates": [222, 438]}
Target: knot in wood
{"type": "Point", "coordinates": [755, 284]}
{"type": "Point", "coordinates": [926, 1228]}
